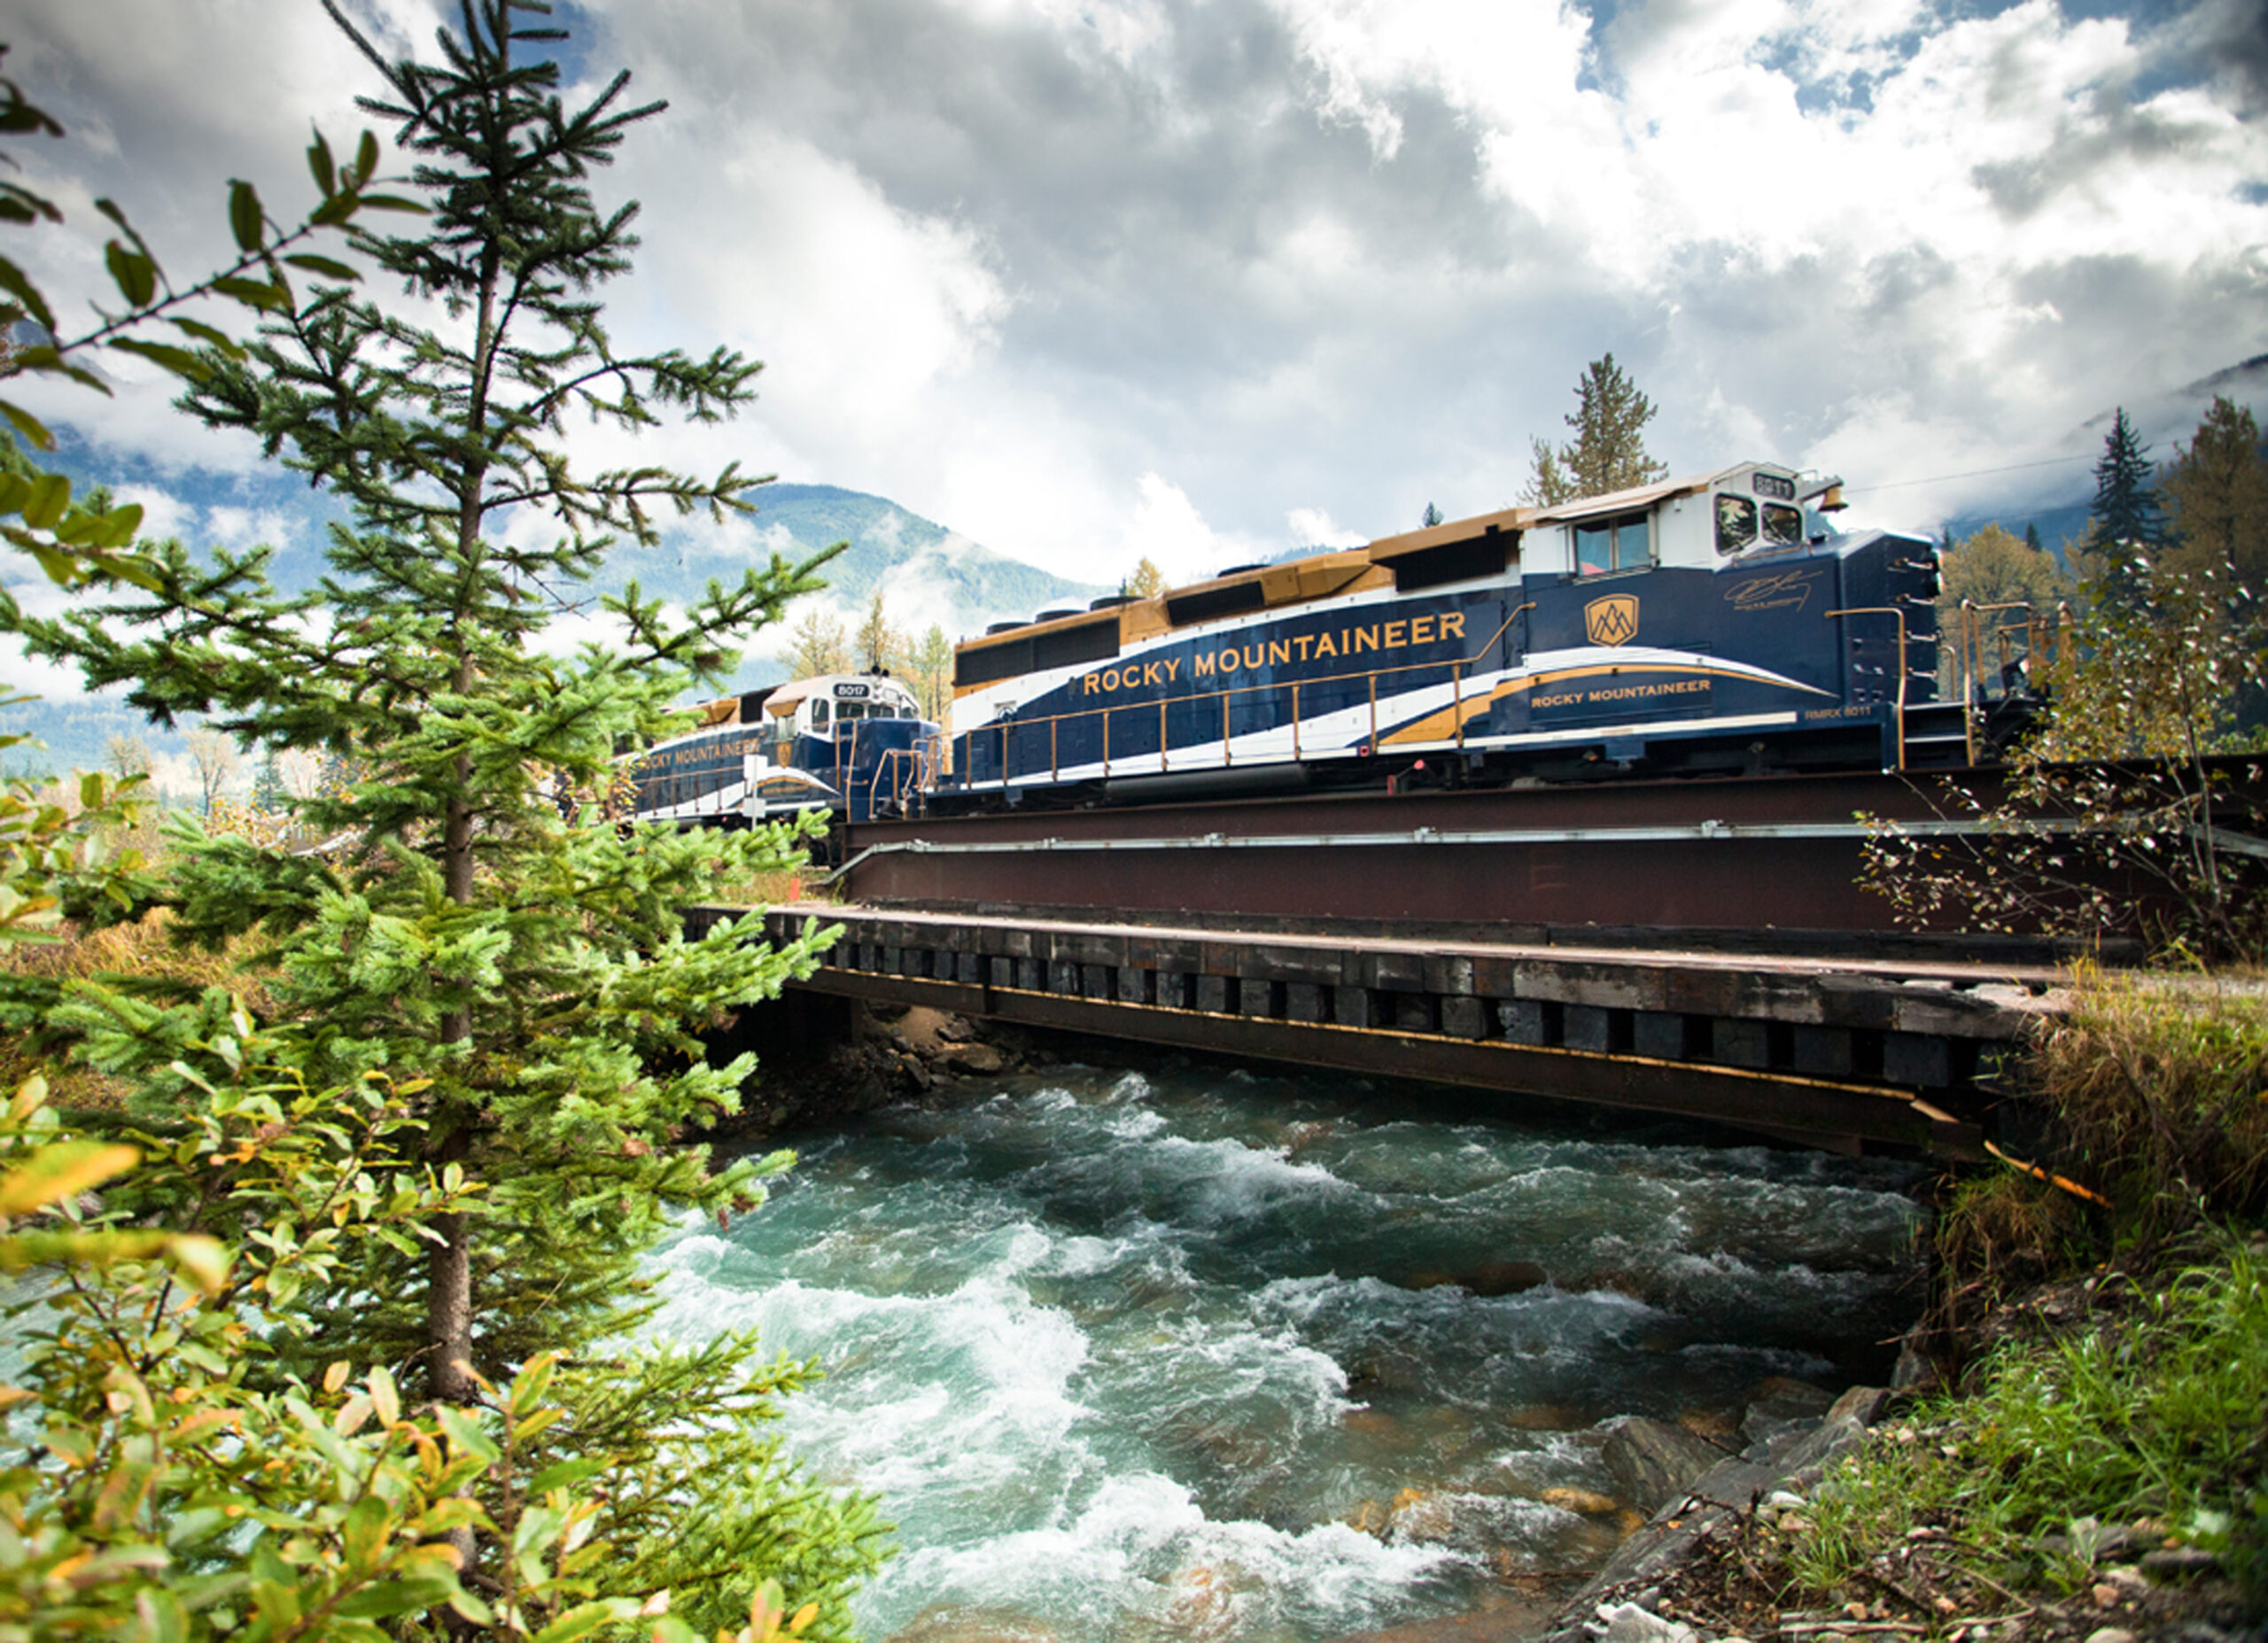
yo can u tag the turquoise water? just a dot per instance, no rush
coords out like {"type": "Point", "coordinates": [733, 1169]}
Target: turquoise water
{"type": "Point", "coordinates": [1191, 1352]}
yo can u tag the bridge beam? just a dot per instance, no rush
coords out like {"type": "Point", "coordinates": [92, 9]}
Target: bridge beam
{"type": "Point", "coordinates": [1848, 1054]}
{"type": "Point", "coordinates": [1817, 1110]}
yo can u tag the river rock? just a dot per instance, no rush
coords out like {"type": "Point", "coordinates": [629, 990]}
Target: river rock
{"type": "Point", "coordinates": [1590, 1503]}
{"type": "Point", "coordinates": [1487, 1278]}
{"type": "Point", "coordinates": [1781, 1406]}
{"type": "Point", "coordinates": [1654, 1462]}
{"type": "Point", "coordinates": [1627, 1622]}
{"type": "Point", "coordinates": [954, 1622]}
{"type": "Point", "coordinates": [973, 1058]}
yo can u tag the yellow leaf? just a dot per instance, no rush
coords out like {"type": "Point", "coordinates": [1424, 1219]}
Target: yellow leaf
{"type": "Point", "coordinates": [203, 1261]}
{"type": "Point", "coordinates": [335, 1376]}
{"type": "Point", "coordinates": [61, 1171]}
{"type": "Point", "coordinates": [383, 1396]}
{"type": "Point", "coordinates": [31, 1095]}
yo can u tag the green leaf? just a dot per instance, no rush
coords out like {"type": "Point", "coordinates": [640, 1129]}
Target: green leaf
{"type": "Point", "coordinates": [531, 1383]}
{"type": "Point", "coordinates": [585, 1618]}
{"type": "Point", "coordinates": [13, 282]}
{"type": "Point", "coordinates": [164, 1619]}
{"type": "Point", "coordinates": [329, 267]}
{"type": "Point", "coordinates": [384, 1398]}
{"type": "Point", "coordinates": [203, 1260]}
{"type": "Point", "coordinates": [33, 430]}
{"type": "Point", "coordinates": [134, 273]}
{"type": "Point", "coordinates": [466, 1433]}
{"type": "Point", "coordinates": [180, 361]}
{"type": "Point", "coordinates": [245, 217]}
{"type": "Point", "coordinates": [212, 336]}
{"type": "Point", "coordinates": [253, 293]}
{"type": "Point", "coordinates": [366, 158]}
{"type": "Point", "coordinates": [319, 163]}
{"type": "Point", "coordinates": [60, 568]}
{"type": "Point", "coordinates": [392, 202]}
{"type": "Point", "coordinates": [50, 495]}
{"type": "Point", "coordinates": [397, 1597]}
{"type": "Point", "coordinates": [118, 527]}
{"type": "Point", "coordinates": [368, 1523]}
{"type": "Point", "coordinates": [567, 1474]}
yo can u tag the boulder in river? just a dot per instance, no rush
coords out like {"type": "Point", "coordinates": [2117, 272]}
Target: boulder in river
{"type": "Point", "coordinates": [1487, 1278]}
{"type": "Point", "coordinates": [973, 1058]}
{"type": "Point", "coordinates": [1782, 1406]}
{"type": "Point", "coordinates": [1653, 1461]}
{"type": "Point", "coordinates": [957, 1623]}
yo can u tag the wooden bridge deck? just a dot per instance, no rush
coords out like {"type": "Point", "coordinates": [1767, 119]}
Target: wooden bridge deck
{"type": "Point", "coordinates": [1846, 1053]}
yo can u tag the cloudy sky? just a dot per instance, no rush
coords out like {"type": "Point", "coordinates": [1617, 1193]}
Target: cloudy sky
{"type": "Point", "coordinates": [1090, 279]}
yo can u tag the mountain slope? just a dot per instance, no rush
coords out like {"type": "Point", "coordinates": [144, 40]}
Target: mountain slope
{"type": "Point", "coordinates": [927, 574]}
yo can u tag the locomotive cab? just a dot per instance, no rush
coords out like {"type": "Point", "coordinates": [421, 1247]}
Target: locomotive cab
{"type": "Point", "coordinates": [1738, 513]}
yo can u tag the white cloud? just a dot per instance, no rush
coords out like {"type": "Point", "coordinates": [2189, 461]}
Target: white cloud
{"type": "Point", "coordinates": [240, 528]}
{"type": "Point", "coordinates": [1312, 527]}
{"type": "Point", "coordinates": [1015, 262]}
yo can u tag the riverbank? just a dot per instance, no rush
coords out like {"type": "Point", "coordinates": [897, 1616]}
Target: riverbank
{"type": "Point", "coordinates": [2095, 1466]}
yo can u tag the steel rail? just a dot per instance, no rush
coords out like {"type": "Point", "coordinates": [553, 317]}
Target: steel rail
{"type": "Point", "coordinates": [1729, 832]}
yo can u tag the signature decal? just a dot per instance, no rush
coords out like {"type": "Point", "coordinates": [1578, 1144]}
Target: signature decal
{"type": "Point", "coordinates": [1785, 590]}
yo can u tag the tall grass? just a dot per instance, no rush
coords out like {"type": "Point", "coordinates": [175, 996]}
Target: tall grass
{"type": "Point", "coordinates": [2160, 1088]}
{"type": "Point", "coordinates": [2158, 1411]}
{"type": "Point", "coordinates": [143, 950]}
{"type": "Point", "coordinates": [795, 884]}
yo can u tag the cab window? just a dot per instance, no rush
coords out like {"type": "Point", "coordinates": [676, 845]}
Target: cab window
{"type": "Point", "coordinates": [1735, 522]}
{"type": "Point", "coordinates": [1784, 526]}
{"type": "Point", "coordinates": [819, 714]}
{"type": "Point", "coordinates": [1621, 544]}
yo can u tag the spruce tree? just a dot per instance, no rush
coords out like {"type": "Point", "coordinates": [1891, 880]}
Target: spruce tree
{"type": "Point", "coordinates": [527, 969]}
{"type": "Point", "coordinates": [1608, 450]}
{"type": "Point", "coordinates": [267, 790]}
{"type": "Point", "coordinates": [514, 990]}
{"type": "Point", "coordinates": [2126, 532]}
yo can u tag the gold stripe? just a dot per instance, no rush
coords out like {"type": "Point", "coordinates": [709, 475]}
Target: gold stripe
{"type": "Point", "coordinates": [1442, 726]}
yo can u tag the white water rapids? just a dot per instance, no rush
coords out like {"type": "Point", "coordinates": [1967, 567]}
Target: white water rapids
{"type": "Point", "coordinates": [1196, 1354]}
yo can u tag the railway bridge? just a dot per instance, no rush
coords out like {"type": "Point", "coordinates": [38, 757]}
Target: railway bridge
{"type": "Point", "coordinates": [1699, 946]}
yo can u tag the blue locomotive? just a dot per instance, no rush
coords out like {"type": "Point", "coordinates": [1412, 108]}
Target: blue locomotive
{"type": "Point", "coordinates": [846, 742]}
{"type": "Point", "coordinates": [1712, 623]}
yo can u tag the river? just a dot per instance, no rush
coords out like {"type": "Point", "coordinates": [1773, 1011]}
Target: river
{"type": "Point", "coordinates": [1195, 1352]}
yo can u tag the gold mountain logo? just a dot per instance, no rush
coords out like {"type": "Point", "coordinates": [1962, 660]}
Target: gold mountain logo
{"type": "Point", "coordinates": [1612, 620]}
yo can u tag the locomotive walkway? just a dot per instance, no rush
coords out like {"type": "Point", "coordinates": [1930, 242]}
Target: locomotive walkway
{"type": "Point", "coordinates": [1847, 1054]}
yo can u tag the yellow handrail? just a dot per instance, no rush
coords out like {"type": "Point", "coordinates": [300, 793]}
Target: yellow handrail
{"type": "Point", "coordinates": [1371, 676]}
